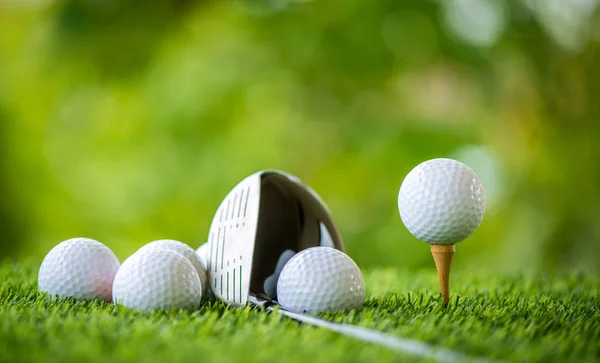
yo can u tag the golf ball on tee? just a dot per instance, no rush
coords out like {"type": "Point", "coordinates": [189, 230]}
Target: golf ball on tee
{"type": "Point", "coordinates": [184, 250]}
{"type": "Point", "coordinates": [320, 279]}
{"type": "Point", "coordinates": [441, 201]}
{"type": "Point", "coordinates": [79, 267]}
{"type": "Point", "coordinates": [157, 279]}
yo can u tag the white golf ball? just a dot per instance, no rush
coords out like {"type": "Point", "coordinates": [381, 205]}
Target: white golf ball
{"type": "Point", "coordinates": [79, 267]}
{"type": "Point", "coordinates": [320, 279]}
{"type": "Point", "coordinates": [203, 253]}
{"type": "Point", "coordinates": [441, 201]}
{"type": "Point", "coordinates": [157, 279]}
{"type": "Point", "coordinates": [184, 250]}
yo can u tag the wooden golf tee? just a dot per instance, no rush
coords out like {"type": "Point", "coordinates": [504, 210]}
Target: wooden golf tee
{"type": "Point", "coordinates": [442, 255]}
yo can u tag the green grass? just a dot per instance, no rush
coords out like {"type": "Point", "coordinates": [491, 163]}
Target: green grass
{"type": "Point", "coordinates": [510, 318]}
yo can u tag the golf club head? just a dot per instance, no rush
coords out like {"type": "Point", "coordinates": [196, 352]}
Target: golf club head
{"type": "Point", "coordinates": [261, 217]}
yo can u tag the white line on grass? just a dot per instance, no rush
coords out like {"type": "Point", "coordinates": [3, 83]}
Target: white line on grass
{"type": "Point", "coordinates": [409, 346]}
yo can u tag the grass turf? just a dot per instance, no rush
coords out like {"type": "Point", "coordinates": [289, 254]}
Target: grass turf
{"type": "Point", "coordinates": [510, 318]}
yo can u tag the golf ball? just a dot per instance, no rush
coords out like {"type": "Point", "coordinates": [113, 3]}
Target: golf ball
{"type": "Point", "coordinates": [184, 250]}
{"type": "Point", "coordinates": [320, 279]}
{"type": "Point", "coordinates": [203, 253]}
{"type": "Point", "coordinates": [79, 267]}
{"type": "Point", "coordinates": [157, 279]}
{"type": "Point", "coordinates": [441, 201]}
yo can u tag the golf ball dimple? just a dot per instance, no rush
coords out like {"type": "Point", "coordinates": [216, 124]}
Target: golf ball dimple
{"type": "Point", "coordinates": [441, 201]}
{"type": "Point", "coordinates": [157, 279]}
{"type": "Point", "coordinates": [320, 279]}
{"type": "Point", "coordinates": [79, 267]}
{"type": "Point", "coordinates": [184, 250]}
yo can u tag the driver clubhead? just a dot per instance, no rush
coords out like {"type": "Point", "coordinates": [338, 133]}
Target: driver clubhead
{"type": "Point", "coordinates": [261, 217]}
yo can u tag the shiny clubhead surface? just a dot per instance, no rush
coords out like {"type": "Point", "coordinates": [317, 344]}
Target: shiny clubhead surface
{"type": "Point", "coordinates": [79, 267]}
{"type": "Point", "coordinates": [270, 285]}
{"type": "Point", "coordinates": [157, 279]}
{"type": "Point", "coordinates": [441, 201]}
{"type": "Point", "coordinates": [320, 279]}
{"type": "Point", "coordinates": [265, 214]}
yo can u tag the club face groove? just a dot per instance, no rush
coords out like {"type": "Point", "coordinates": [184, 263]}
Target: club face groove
{"type": "Point", "coordinates": [230, 236]}
{"type": "Point", "coordinates": [265, 214]}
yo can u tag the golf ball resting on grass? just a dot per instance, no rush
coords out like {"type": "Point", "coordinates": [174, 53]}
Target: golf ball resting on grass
{"type": "Point", "coordinates": [184, 250]}
{"type": "Point", "coordinates": [157, 279]}
{"type": "Point", "coordinates": [441, 202]}
{"type": "Point", "coordinates": [320, 279]}
{"type": "Point", "coordinates": [79, 267]}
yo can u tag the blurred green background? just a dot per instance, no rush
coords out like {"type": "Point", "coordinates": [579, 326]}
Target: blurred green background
{"type": "Point", "coordinates": [129, 121]}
